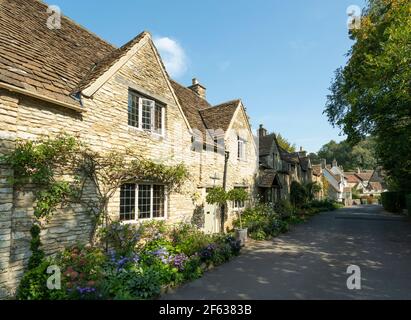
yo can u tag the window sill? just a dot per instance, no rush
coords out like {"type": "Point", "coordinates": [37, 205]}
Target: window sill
{"type": "Point", "coordinates": [139, 221]}
{"type": "Point", "coordinates": [135, 129]}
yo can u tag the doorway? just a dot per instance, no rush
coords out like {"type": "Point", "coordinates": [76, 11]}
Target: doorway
{"type": "Point", "coordinates": [211, 219]}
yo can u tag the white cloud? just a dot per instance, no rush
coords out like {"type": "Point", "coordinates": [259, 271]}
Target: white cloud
{"type": "Point", "coordinates": [173, 56]}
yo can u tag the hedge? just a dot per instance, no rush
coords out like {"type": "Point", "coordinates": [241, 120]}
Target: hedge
{"type": "Point", "coordinates": [393, 201]}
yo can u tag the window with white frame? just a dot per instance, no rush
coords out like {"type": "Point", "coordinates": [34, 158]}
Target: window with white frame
{"type": "Point", "coordinates": [142, 201]}
{"type": "Point", "coordinates": [145, 114]}
{"type": "Point", "coordinates": [241, 143]}
{"type": "Point", "coordinates": [238, 205]}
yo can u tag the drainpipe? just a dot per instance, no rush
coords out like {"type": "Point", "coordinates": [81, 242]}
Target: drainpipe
{"type": "Point", "coordinates": [223, 207]}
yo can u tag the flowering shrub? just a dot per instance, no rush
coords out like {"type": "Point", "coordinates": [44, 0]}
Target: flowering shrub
{"type": "Point", "coordinates": [123, 238]}
{"type": "Point", "coordinates": [166, 257]}
{"type": "Point", "coordinates": [263, 222]}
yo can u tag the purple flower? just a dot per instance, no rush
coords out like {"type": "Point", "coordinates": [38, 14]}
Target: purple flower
{"type": "Point", "coordinates": [179, 261]}
{"type": "Point", "coordinates": [86, 290]}
{"type": "Point", "coordinates": [163, 255]}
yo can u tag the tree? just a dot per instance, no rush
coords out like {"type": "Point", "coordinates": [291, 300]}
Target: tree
{"type": "Point", "coordinates": [298, 194]}
{"type": "Point", "coordinates": [371, 94]}
{"type": "Point", "coordinates": [351, 157]}
{"type": "Point", "coordinates": [285, 144]}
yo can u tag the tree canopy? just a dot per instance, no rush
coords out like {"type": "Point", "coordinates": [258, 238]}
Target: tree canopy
{"type": "Point", "coordinates": [285, 144]}
{"type": "Point", "coordinates": [371, 94]}
{"type": "Point", "coordinates": [361, 155]}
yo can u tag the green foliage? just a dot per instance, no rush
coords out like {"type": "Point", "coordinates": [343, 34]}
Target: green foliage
{"type": "Point", "coordinates": [35, 161]}
{"type": "Point", "coordinates": [361, 155]}
{"type": "Point", "coordinates": [298, 194]}
{"type": "Point", "coordinates": [217, 195]}
{"type": "Point", "coordinates": [262, 222]}
{"type": "Point", "coordinates": [312, 188]}
{"type": "Point", "coordinates": [37, 255]}
{"type": "Point", "coordinates": [238, 194]}
{"type": "Point", "coordinates": [167, 257]}
{"type": "Point", "coordinates": [33, 285]}
{"type": "Point", "coordinates": [123, 238]}
{"type": "Point", "coordinates": [284, 208]}
{"type": "Point", "coordinates": [285, 144]}
{"type": "Point", "coordinates": [393, 201]}
{"type": "Point", "coordinates": [371, 94]}
{"type": "Point", "coordinates": [317, 206]}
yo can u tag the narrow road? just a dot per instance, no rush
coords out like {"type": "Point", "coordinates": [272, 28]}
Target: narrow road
{"type": "Point", "coordinates": [311, 261]}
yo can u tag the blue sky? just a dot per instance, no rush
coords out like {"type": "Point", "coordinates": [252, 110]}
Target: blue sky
{"type": "Point", "coordinates": [277, 56]}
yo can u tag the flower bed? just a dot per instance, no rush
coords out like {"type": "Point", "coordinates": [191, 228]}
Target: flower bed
{"type": "Point", "coordinates": [140, 264]}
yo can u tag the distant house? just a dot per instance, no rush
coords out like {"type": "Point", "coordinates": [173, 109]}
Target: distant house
{"type": "Point", "coordinates": [279, 168]}
{"type": "Point", "coordinates": [367, 182]}
{"type": "Point", "coordinates": [317, 177]}
{"type": "Point", "coordinates": [338, 187]}
{"type": "Point", "coordinates": [273, 170]}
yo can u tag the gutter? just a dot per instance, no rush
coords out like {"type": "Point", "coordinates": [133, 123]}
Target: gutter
{"type": "Point", "coordinates": [41, 97]}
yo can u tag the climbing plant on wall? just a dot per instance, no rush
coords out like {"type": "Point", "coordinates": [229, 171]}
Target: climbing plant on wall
{"type": "Point", "coordinates": [59, 168]}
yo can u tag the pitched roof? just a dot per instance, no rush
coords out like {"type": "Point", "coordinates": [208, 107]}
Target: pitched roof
{"type": "Point", "coordinates": [61, 62]}
{"type": "Point", "coordinates": [289, 157]}
{"type": "Point", "coordinates": [191, 103]}
{"type": "Point", "coordinates": [352, 178]}
{"type": "Point", "coordinates": [265, 143]}
{"type": "Point", "coordinates": [268, 179]}
{"type": "Point", "coordinates": [364, 175]}
{"type": "Point", "coordinates": [219, 117]}
{"type": "Point", "coordinates": [41, 60]}
{"type": "Point", "coordinates": [108, 61]}
{"type": "Point", "coordinates": [200, 113]}
{"type": "Point", "coordinates": [375, 186]}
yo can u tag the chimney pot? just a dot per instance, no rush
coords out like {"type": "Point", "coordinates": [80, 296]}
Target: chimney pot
{"type": "Point", "coordinates": [323, 163]}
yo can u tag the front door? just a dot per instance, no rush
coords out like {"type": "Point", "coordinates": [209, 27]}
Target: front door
{"type": "Point", "coordinates": [211, 220]}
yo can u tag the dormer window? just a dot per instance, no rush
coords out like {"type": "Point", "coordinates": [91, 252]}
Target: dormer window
{"type": "Point", "coordinates": [146, 114]}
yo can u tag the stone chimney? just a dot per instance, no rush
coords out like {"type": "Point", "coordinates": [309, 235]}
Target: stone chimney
{"type": "Point", "coordinates": [199, 89]}
{"type": "Point", "coordinates": [323, 163]}
{"type": "Point", "coordinates": [302, 153]}
{"type": "Point", "coordinates": [262, 132]}
{"type": "Point", "coordinates": [335, 164]}
{"type": "Point", "coordinates": [358, 170]}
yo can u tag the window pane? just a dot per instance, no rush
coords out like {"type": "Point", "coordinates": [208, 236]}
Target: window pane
{"type": "Point", "coordinates": [158, 201]}
{"type": "Point", "coordinates": [127, 202]}
{"type": "Point", "coordinates": [147, 110]}
{"type": "Point", "coordinates": [144, 195]}
{"type": "Point", "coordinates": [132, 109]}
{"type": "Point", "coordinates": [157, 118]}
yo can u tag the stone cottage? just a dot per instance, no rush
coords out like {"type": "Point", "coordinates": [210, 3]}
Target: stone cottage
{"type": "Point", "coordinates": [279, 168]}
{"type": "Point", "coordinates": [69, 80]}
